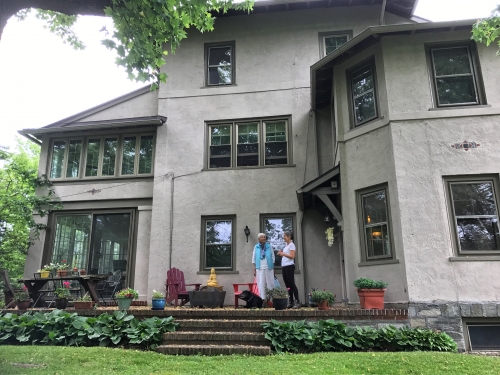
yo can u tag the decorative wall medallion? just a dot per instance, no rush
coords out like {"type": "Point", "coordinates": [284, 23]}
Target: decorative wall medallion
{"type": "Point", "coordinates": [93, 191]}
{"type": "Point", "coordinates": [465, 145]}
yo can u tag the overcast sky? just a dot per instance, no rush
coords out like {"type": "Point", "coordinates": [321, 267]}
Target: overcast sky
{"type": "Point", "coordinates": [43, 80]}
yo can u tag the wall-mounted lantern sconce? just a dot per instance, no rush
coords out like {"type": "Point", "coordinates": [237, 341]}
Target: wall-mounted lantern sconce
{"type": "Point", "coordinates": [247, 231]}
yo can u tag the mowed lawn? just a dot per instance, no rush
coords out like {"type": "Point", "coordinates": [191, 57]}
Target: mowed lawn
{"type": "Point", "coordinates": [41, 360]}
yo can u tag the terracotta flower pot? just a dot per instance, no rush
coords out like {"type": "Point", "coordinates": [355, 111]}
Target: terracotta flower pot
{"type": "Point", "coordinates": [23, 305]}
{"type": "Point", "coordinates": [62, 273]}
{"type": "Point", "coordinates": [83, 272]}
{"type": "Point", "coordinates": [371, 298]}
{"type": "Point", "coordinates": [83, 305]}
{"type": "Point", "coordinates": [323, 305]}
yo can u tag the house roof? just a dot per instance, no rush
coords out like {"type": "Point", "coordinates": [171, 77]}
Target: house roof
{"type": "Point", "coordinates": [402, 8]}
{"type": "Point", "coordinates": [72, 124]}
{"type": "Point", "coordinates": [304, 194]}
{"type": "Point", "coordinates": [135, 122]}
{"type": "Point", "coordinates": [322, 71]}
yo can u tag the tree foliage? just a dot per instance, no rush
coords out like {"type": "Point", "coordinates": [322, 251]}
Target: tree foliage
{"type": "Point", "coordinates": [145, 30]}
{"type": "Point", "coordinates": [487, 30]}
{"type": "Point", "coordinates": [18, 203]}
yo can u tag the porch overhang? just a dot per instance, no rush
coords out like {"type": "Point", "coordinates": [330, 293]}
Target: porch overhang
{"type": "Point", "coordinates": [323, 188]}
{"type": "Point", "coordinates": [117, 124]}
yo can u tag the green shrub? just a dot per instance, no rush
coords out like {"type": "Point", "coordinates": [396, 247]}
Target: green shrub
{"type": "Point", "coordinates": [364, 283]}
{"type": "Point", "coordinates": [331, 335]}
{"type": "Point", "coordinates": [69, 329]}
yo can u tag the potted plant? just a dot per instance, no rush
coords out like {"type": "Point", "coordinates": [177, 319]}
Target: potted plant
{"type": "Point", "coordinates": [45, 270]}
{"type": "Point", "coordinates": [158, 300]}
{"type": "Point", "coordinates": [279, 297]}
{"type": "Point", "coordinates": [323, 298]}
{"type": "Point", "coordinates": [23, 299]}
{"type": "Point", "coordinates": [83, 272]}
{"type": "Point", "coordinates": [62, 295]}
{"type": "Point", "coordinates": [125, 296]}
{"type": "Point", "coordinates": [83, 303]}
{"type": "Point", "coordinates": [62, 269]}
{"type": "Point", "coordinates": [371, 293]}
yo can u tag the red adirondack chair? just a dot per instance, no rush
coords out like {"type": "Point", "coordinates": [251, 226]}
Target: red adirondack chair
{"type": "Point", "coordinates": [176, 287]}
{"type": "Point", "coordinates": [248, 286]}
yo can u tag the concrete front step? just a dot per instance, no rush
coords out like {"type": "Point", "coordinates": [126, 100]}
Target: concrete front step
{"type": "Point", "coordinates": [175, 349]}
{"type": "Point", "coordinates": [192, 325]}
{"type": "Point", "coordinates": [215, 338]}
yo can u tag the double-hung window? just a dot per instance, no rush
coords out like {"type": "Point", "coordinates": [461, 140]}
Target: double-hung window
{"type": "Point", "coordinates": [363, 94]}
{"type": "Point", "coordinates": [375, 224]}
{"type": "Point", "coordinates": [219, 64]}
{"type": "Point", "coordinates": [106, 156]}
{"type": "Point", "coordinates": [217, 243]}
{"type": "Point", "coordinates": [248, 143]}
{"type": "Point", "coordinates": [474, 209]}
{"type": "Point", "coordinates": [455, 75]}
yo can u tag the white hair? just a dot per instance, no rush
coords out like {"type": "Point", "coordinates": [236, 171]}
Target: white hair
{"type": "Point", "coordinates": [262, 234]}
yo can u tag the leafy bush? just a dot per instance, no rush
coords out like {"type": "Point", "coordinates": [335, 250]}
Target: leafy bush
{"type": "Point", "coordinates": [127, 293]}
{"type": "Point", "coordinates": [331, 335]}
{"type": "Point", "coordinates": [364, 283]}
{"type": "Point", "coordinates": [84, 298]}
{"type": "Point", "coordinates": [322, 295]}
{"type": "Point", "coordinates": [276, 292]}
{"type": "Point", "coordinates": [157, 295]}
{"type": "Point", "coordinates": [69, 329]}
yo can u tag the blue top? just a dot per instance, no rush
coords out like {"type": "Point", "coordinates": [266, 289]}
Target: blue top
{"type": "Point", "coordinates": [268, 255]}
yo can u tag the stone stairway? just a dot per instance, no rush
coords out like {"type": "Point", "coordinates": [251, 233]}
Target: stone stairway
{"type": "Point", "coordinates": [216, 337]}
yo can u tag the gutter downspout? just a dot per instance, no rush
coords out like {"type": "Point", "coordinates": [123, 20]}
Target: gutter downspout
{"type": "Point", "coordinates": [382, 13]}
{"type": "Point", "coordinates": [32, 139]}
{"type": "Point", "coordinates": [171, 229]}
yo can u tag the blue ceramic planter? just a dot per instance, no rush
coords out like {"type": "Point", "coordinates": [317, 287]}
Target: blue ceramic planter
{"type": "Point", "coordinates": [158, 303]}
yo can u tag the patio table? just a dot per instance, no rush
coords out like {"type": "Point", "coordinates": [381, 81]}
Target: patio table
{"type": "Point", "coordinates": [88, 282]}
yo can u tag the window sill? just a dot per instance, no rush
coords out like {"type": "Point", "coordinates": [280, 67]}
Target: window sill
{"type": "Point", "coordinates": [461, 107]}
{"type": "Point", "coordinates": [485, 258]}
{"type": "Point", "coordinates": [212, 86]}
{"type": "Point", "coordinates": [252, 167]}
{"type": "Point", "coordinates": [218, 272]}
{"type": "Point", "coordinates": [101, 179]}
{"type": "Point", "coordinates": [378, 262]}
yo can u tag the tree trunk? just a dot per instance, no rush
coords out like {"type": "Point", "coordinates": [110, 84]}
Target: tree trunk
{"type": "Point", "coordinates": [84, 7]}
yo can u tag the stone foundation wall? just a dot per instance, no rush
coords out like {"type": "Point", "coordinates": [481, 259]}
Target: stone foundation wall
{"type": "Point", "coordinates": [448, 316]}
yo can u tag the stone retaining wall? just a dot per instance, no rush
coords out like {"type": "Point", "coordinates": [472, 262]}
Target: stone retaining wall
{"type": "Point", "coordinates": [448, 316]}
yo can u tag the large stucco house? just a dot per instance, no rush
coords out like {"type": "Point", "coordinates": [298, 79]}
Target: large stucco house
{"type": "Point", "coordinates": [369, 132]}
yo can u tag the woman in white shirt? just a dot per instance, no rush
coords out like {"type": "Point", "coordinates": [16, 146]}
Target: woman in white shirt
{"type": "Point", "coordinates": [288, 269]}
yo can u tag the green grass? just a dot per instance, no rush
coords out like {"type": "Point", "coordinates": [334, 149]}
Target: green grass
{"type": "Point", "coordinates": [41, 360]}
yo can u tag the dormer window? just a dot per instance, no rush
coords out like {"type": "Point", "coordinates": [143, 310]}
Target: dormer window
{"type": "Point", "coordinates": [102, 157]}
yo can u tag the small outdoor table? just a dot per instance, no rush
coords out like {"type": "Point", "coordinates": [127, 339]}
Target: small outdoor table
{"type": "Point", "coordinates": [88, 282]}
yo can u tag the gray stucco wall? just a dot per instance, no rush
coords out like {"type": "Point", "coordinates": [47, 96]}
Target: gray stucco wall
{"type": "Point", "coordinates": [273, 53]}
{"type": "Point", "coordinates": [141, 106]}
{"type": "Point", "coordinates": [410, 150]}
